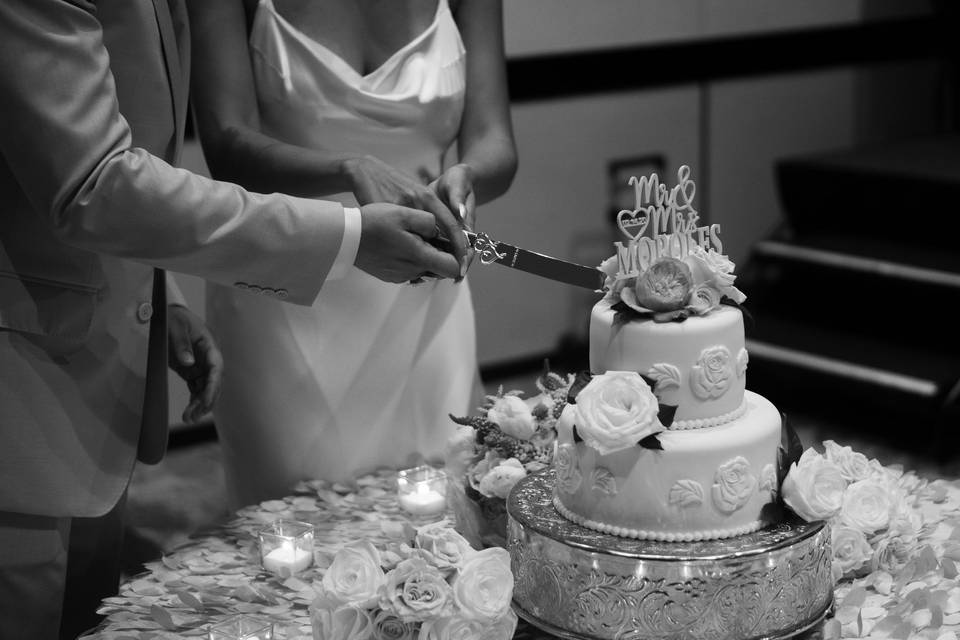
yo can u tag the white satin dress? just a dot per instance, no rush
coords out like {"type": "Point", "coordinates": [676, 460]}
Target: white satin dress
{"type": "Point", "coordinates": [366, 377]}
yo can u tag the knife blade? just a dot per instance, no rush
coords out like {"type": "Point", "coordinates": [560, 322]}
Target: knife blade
{"type": "Point", "coordinates": [490, 251]}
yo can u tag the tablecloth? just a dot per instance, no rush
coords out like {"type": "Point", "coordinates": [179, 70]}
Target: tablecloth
{"type": "Point", "coordinates": [217, 573]}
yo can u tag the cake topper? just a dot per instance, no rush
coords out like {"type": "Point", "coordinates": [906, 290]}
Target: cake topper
{"type": "Point", "coordinates": [671, 220]}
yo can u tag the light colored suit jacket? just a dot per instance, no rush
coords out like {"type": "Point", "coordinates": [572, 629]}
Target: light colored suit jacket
{"type": "Point", "coordinates": [93, 99]}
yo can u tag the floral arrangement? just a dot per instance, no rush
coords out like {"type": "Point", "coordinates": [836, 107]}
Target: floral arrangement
{"type": "Point", "coordinates": [490, 452]}
{"type": "Point", "coordinates": [870, 508]}
{"type": "Point", "coordinates": [433, 587]}
{"type": "Point", "coordinates": [672, 289]}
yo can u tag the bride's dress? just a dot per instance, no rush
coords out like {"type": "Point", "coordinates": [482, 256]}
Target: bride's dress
{"type": "Point", "coordinates": [368, 375]}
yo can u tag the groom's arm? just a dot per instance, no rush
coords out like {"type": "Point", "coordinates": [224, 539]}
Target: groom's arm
{"type": "Point", "coordinates": [70, 150]}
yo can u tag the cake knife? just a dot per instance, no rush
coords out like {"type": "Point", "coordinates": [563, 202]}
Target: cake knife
{"type": "Point", "coordinates": [490, 251]}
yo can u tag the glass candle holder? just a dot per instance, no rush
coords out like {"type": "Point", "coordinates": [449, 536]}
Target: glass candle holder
{"type": "Point", "coordinates": [286, 547]}
{"type": "Point", "coordinates": [422, 492]}
{"type": "Point", "coordinates": [242, 627]}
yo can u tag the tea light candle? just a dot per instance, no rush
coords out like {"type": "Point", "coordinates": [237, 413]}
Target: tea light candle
{"type": "Point", "coordinates": [287, 559]}
{"type": "Point", "coordinates": [424, 501]}
{"type": "Point", "coordinates": [242, 627]}
{"type": "Point", "coordinates": [421, 491]}
{"type": "Point", "coordinates": [286, 547]}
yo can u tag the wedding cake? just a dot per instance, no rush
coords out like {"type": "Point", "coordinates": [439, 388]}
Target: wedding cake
{"type": "Point", "coordinates": [663, 441]}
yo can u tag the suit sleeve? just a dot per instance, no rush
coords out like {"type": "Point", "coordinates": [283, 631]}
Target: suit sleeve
{"type": "Point", "coordinates": [70, 150]}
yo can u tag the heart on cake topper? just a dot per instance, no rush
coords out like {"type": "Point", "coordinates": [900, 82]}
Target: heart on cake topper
{"type": "Point", "coordinates": [633, 223]}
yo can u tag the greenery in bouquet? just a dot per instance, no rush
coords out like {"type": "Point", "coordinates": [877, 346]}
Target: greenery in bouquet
{"type": "Point", "coordinates": [432, 587]}
{"type": "Point", "coordinates": [511, 437]}
{"type": "Point", "coordinates": [872, 509]}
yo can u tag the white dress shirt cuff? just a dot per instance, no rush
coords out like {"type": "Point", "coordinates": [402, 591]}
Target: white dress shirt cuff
{"type": "Point", "coordinates": [349, 245]}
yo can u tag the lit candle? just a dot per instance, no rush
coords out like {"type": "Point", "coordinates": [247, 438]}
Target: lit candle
{"type": "Point", "coordinates": [287, 559]}
{"type": "Point", "coordinates": [423, 501]}
{"type": "Point", "coordinates": [422, 491]}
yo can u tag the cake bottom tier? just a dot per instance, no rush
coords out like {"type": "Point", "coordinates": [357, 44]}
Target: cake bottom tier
{"type": "Point", "coordinates": [705, 484]}
{"type": "Point", "coordinates": [574, 582]}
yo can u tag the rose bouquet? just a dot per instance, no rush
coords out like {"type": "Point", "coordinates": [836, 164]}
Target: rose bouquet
{"type": "Point", "coordinates": [434, 587]}
{"type": "Point", "coordinates": [491, 452]}
{"type": "Point", "coordinates": [870, 508]}
{"type": "Point", "coordinates": [671, 288]}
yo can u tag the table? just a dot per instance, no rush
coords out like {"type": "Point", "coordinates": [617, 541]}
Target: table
{"type": "Point", "coordinates": [217, 573]}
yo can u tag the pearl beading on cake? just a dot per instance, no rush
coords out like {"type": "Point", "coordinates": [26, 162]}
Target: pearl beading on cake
{"type": "Point", "coordinates": [715, 421]}
{"type": "Point", "coordinates": [661, 536]}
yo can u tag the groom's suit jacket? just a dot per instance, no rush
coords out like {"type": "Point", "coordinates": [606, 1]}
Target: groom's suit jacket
{"type": "Point", "coordinates": [93, 99]}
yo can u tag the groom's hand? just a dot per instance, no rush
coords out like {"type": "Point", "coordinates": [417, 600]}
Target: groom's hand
{"type": "Point", "coordinates": [194, 355]}
{"type": "Point", "coordinates": [394, 247]}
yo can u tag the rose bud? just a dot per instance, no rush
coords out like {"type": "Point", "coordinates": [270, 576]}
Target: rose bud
{"type": "Point", "coordinates": [665, 286]}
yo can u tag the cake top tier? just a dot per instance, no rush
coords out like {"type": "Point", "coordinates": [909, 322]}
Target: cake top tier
{"type": "Point", "coordinates": [670, 267]}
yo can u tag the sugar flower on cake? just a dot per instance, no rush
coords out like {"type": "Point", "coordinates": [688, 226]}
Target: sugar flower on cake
{"type": "Point", "coordinates": [615, 411]}
{"type": "Point", "coordinates": [814, 487]}
{"type": "Point", "coordinates": [733, 485]}
{"type": "Point", "coordinates": [713, 373]}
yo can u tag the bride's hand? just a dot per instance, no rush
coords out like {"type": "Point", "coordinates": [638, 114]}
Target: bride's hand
{"type": "Point", "coordinates": [455, 188]}
{"type": "Point", "coordinates": [376, 181]}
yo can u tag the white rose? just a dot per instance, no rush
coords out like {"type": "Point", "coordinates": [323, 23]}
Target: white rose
{"type": "Point", "coordinates": [355, 576]}
{"type": "Point", "coordinates": [851, 551]}
{"type": "Point", "coordinates": [483, 589]}
{"type": "Point", "coordinates": [897, 545]}
{"type": "Point", "coordinates": [461, 449]}
{"type": "Point", "coordinates": [714, 269]}
{"type": "Point", "coordinates": [460, 628]}
{"type": "Point", "coordinates": [615, 411]}
{"type": "Point", "coordinates": [500, 480]}
{"type": "Point", "coordinates": [513, 416]}
{"type": "Point", "coordinates": [482, 468]}
{"type": "Point", "coordinates": [415, 591]}
{"type": "Point", "coordinates": [340, 622]}
{"type": "Point", "coordinates": [853, 464]}
{"type": "Point", "coordinates": [446, 547]}
{"type": "Point", "coordinates": [814, 487]}
{"type": "Point", "coordinates": [866, 506]}
{"type": "Point", "coordinates": [387, 626]}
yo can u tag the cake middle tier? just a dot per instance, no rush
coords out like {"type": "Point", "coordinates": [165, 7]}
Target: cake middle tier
{"type": "Point", "coordinates": [705, 484]}
{"type": "Point", "coordinates": [700, 364]}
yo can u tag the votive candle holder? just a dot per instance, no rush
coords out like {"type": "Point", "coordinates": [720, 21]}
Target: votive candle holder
{"type": "Point", "coordinates": [422, 492]}
{"type": "Point", "coordinates": [286, 547]}
{"type": "Point", "coordinates": [242, 627]}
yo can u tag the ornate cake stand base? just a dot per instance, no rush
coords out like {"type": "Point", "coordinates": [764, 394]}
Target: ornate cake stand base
{"type": "Point", "coordinates": [577, 583]}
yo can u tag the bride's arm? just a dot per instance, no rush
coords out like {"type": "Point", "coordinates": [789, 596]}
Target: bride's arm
{"type": "Point", "coordinates": [488, 154]}
{"type": "Point", "coordinates": [228, 120]}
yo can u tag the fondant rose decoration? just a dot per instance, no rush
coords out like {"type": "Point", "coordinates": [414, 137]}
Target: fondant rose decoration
{"type": "Point", "coordinates": [851, 551]}
{"type": "Point", "coordinates": [460, 628]}
{"type": "Point", "coordinates": [484, 587]}
{"type": "Point", "coordinates": [713, 373]}
{"type": "Point", "coordinates": [513, 416]}
{"type": "Point", "coordinates": [500, 479]}
{"type": "Point", "coordinates": [446, 547]}
{"type": "Point", "coordinates": [733, 485]}
{"type": "Point", "coordinates": [615, 411]}
{"type": "Point", "coordinates": [714, 270]}
{"type": "Point", "coordinates": [664, 286]}
{"type": "Point", "coordinates": [387, 626]}
{"type": "Point", "coordinates": [814, 487]}
{"type": "Point", "coordinates": [355, 576]}
{"type": "Point", "coordinates": [567, 468]}
{"type": "Point", "coordinates": [866, 506]}
{"type": "Point", "coordinates": [853, 464]}
{"type": "Point", "coordinates": [415, 590]}
{"type": "Point", "coordinates": [344, 621]}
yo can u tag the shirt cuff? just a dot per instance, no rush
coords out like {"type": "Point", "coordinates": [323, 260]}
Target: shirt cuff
{"type": "Point", "coordinates": [349, 245]}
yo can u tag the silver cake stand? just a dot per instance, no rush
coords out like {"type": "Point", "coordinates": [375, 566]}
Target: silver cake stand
{"type": "Point", "coordinates": [576, 583]}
